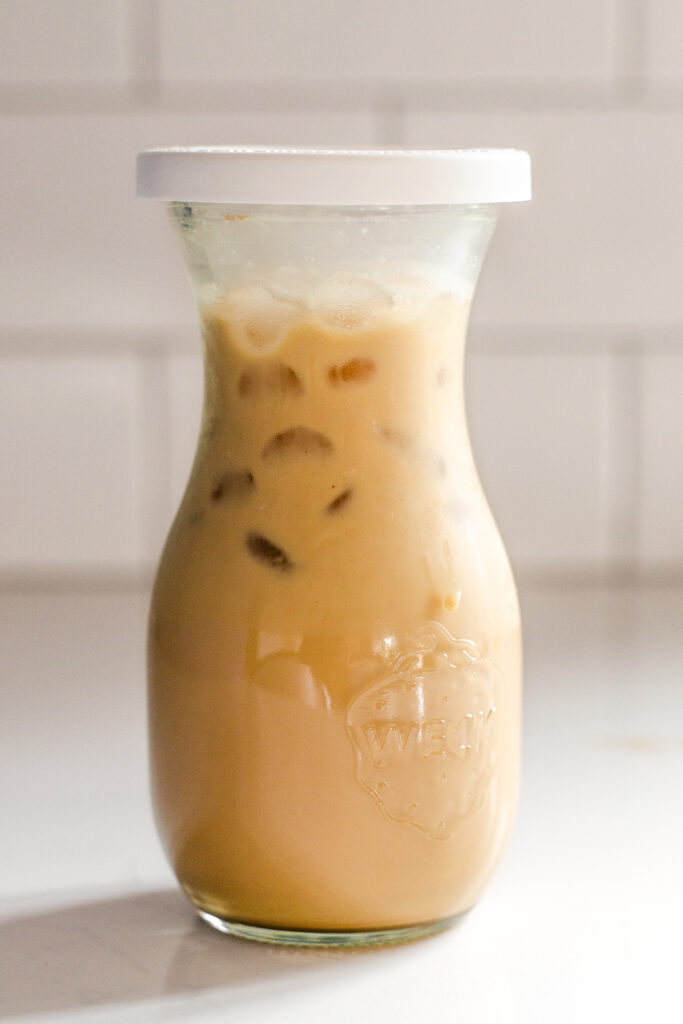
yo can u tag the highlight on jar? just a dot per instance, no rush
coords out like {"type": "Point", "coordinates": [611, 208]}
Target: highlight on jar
{"type": "Point", "coordinates": [334, 633]}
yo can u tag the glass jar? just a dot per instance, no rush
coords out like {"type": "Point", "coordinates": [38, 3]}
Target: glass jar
{"type": "Point", "coordinates": [334, 639]}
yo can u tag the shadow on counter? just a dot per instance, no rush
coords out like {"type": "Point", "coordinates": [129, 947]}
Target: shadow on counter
{"type": "Point", "coordinates": [146, 946]}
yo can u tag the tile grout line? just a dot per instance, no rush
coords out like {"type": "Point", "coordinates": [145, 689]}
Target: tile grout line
{"type": "Point", "coordinates": [77, 343]}
{"type": "Point", "coordinates": [145, 91]}
{"type": "Point", "coordinates": [606, 443]}
{"type": "Point", "coordinates": [69, 580]}
{"type": "Point", "coordinates": [631, 25]}
{"type": "Point", "coordinates": [389, 113]}
{"type": "Point", "coordinates": [621, 473]}
{"type": "Point", "coordinates": [637, 368]}
{"type": "Point", "coordinates": [144, 80]}
{"type": "Point", "coordinates": [152, 456]}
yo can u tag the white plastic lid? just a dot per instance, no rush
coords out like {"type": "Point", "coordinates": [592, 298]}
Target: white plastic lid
{"type": "Point", "coordinates": [334, 177]}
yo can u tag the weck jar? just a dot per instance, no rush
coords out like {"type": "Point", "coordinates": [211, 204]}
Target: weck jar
{"type": "Point", "coordinates": [334, 636]}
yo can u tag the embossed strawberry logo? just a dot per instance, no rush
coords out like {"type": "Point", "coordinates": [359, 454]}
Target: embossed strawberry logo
{"type": "Point", "coordinates": [422, 734]}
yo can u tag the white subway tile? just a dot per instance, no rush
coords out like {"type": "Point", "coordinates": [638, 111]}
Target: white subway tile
{"type": "Point", "coordinates": [601, 241]}
{"type": "Point", "coordinates": [67, 463]}
{"type": "Point", "coordinates": [661, 480]}
{"type": "Point", "coordinates": [63, 40]}
{"type": "Point", "coordinates": [81, 251]}
{"type": "Point", "coordinates": [664, 41]}
{"type": "Point", "coordinates": [386, 40]}
{"type": "Point", "coordinates": [537, 427]}
{"type": "Point", "coordinates": [186, 390]}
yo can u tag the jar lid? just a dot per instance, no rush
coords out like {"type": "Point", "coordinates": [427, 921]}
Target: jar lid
{"type": "Point", "coordinates": [334, 177]}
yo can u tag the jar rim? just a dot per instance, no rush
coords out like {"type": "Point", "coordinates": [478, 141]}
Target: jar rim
{"type": "Point", "coordinates": [282, 176]}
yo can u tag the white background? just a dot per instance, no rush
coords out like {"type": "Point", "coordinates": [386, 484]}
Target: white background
{"type": "Point", "coordinates": [575, 378]}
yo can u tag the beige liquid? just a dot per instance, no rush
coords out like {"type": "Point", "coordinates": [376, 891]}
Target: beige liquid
{"type": "Point", "coordinates": [334, 636]}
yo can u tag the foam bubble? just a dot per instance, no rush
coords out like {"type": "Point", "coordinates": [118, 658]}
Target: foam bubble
{"type": "Point", "coordinates": [292, 284]}
{"type": "Point", "coordinates": [262, 309]}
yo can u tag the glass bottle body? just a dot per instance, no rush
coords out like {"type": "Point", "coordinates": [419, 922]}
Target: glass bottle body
{"type": "Point", "coordinates": [334, 645]}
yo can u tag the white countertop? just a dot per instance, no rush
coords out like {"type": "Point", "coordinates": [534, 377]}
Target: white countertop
{"type": "Point", "coordinates": [583, 922]}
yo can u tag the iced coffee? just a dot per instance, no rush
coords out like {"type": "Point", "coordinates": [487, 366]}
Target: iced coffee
{"type": "Point", "coordinates": [334, 635]}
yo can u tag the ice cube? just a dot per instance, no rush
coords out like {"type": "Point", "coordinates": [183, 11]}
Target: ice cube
{"type": "Point", "coordinates": [259, 320]}
{"type": "Point", "coordinates": [410, 285]}
{"type": "Point", "coordinates": [269, 379]}
{"type": "Point", "coordinates": [350, 302]}
{"type": "Point", "coordinates": [292, 284]}
{"type": "Point", "coordinates": [354, 371]}
{"type": "Point", "coordinates": [295, 442]}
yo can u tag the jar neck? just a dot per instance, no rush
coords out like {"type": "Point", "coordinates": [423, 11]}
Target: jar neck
{"type": "Point", "coordinates": [294, 250]}
{"type": "Point", "coordinates": [336, 321]}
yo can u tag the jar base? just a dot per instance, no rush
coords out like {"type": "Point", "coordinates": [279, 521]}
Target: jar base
{"type": "Point", "coordinates": [315, 939]}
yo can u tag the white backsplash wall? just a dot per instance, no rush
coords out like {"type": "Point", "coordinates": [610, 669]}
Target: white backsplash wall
{"type": "Point", "coordinates": [575, 373]}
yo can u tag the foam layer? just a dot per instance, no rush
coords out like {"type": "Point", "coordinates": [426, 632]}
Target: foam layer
{"type": "Point", "coordinates": [263, 310]}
